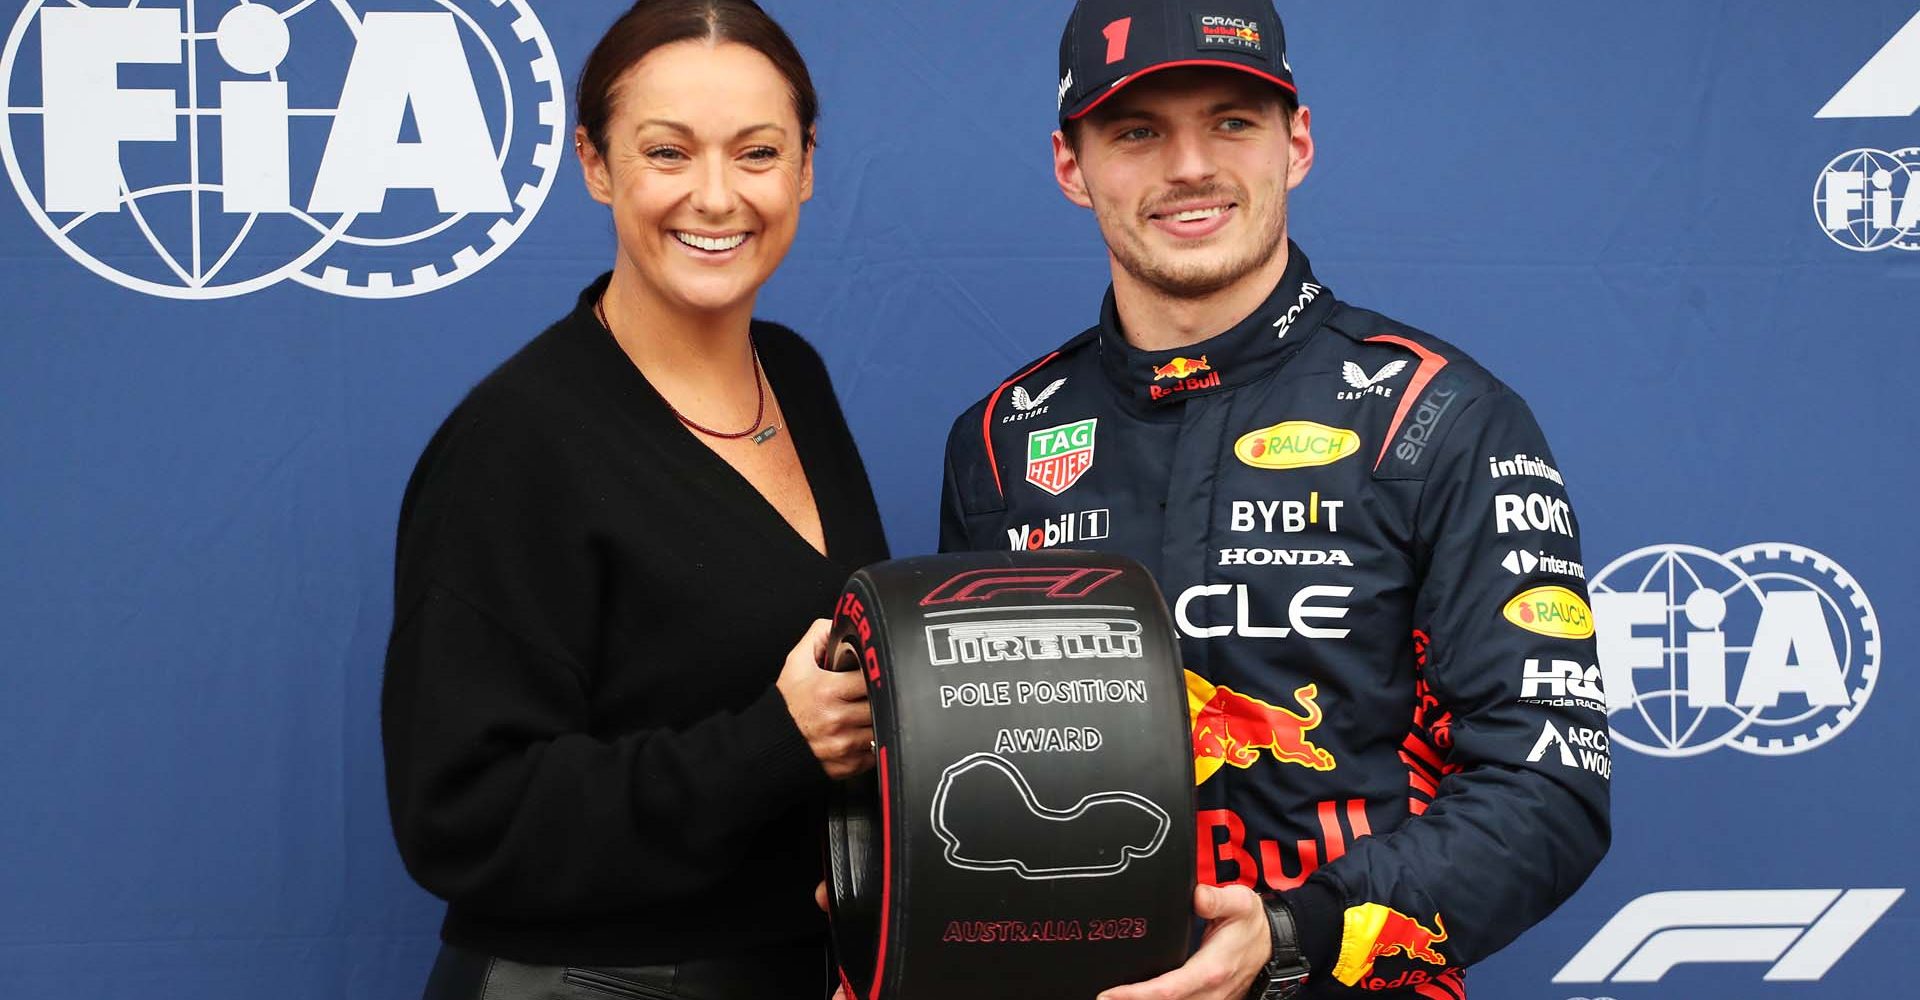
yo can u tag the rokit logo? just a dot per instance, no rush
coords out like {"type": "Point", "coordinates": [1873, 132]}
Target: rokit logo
{"type": "Point", "coordinates": [1066, 529]}
{"type": "Point", "coordinates": [1771, 649]}
{"type": "Point", "coordinates": [1799, 934]}
{"type": "Point", "coordinates": [1865, 199]}
{"type": "Point", "coordinates": [1532, 512]}
{"type": "Point", "coordinates": [1302, 613]}
{"type": "Point", "coordinates": [392, 158]}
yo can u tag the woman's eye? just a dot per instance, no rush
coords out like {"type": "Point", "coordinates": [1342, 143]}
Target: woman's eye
{"type": "Point", "coordinates": [763, 154]}
{"type": "Point", "coordinates": [667, 153]}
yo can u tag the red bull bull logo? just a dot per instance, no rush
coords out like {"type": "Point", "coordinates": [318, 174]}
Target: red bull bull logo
{"type": "Point", "coordinates": [1181, 368]}
{"type": "Point", "coordinates": [1233, 728]}
{"type": "Point", "coordinates": [1374, 932]}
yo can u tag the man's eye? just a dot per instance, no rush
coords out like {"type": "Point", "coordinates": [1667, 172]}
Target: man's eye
{"type": "Point", "coordinates": [1137, 134]}
{"type": "Point", "coordinates": [1236, 124]}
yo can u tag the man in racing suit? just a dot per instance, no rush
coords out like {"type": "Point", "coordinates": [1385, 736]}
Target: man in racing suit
{"type": "Point", "coordinates": [1398, 732]}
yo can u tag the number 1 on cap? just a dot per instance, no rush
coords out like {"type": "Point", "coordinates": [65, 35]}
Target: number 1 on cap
{"type": "Point", "coordinates": [1117, 39]}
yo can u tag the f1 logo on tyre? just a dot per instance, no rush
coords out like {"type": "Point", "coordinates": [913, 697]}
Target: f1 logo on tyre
{"type": "Point", "coordinates": [372, 149]}
{"type": "Point", "coordinates": [1801, 933]}
{"type": "Point", "coordinates": [1066, 583]}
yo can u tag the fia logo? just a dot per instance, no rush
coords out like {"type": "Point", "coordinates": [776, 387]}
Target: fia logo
{"type": "Point", "coordinates": [371, 149]}
{"type": "Point", "coordinates": [1866, 199]}
{"type": "Point", "coordinates": [1770, 649]}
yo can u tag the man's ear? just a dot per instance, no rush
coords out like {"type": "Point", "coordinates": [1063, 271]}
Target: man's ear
{"type": "Point", "coordinates": [1066, 171]}
{"type": "Point", "coordinates": [593, 167]}
{"type": "Point", "coordinates": [1300, 148]}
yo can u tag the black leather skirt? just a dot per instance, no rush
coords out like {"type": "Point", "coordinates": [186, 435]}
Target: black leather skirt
{"type": "Point", "coordinates": [776, 974]}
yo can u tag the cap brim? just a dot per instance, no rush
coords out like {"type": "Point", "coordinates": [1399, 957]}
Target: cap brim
{"type": "Point", "coordinates": [1121, 84]}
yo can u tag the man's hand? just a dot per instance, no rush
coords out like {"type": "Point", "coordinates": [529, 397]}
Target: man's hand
{"type": "Point", "coordinates": [1235, 946]}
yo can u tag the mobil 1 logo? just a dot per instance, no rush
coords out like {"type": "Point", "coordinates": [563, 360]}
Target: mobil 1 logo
{"type": "Point", "coordinates": [1062, 530]}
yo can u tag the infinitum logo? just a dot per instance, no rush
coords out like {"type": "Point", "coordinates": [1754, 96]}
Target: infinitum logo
{"type": "Point", "coordinates": [367, 148]}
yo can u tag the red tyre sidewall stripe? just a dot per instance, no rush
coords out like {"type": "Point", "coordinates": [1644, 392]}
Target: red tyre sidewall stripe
{"type": "Point", "coordinates": [886, 870]}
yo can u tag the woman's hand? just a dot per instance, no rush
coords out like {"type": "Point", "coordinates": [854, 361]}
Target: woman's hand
{"type": "Point", "coordinates": [829, 707]}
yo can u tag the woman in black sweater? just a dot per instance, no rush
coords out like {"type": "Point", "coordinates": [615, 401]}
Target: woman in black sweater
{"type": "Point", "coordinates": [604, 748]}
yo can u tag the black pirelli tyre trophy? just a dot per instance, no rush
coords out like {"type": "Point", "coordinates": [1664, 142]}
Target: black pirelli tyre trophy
{"type": "Point", "coordinates": [1027, 829]}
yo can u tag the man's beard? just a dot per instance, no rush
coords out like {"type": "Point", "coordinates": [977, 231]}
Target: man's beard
{"type": "Point", "coordinates": [1177, 279]}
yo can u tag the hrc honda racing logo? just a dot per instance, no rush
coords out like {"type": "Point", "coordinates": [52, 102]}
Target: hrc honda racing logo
{"type": "Point", "coordinates": [202, 149]}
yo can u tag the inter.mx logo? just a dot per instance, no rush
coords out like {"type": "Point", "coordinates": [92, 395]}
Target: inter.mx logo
{"type": "Point", "coordinates": [199, 149]}
{"type": "Point", "coordinates": [1798, 933]}
{"type": "Point", "coordinates": [1866, 199]}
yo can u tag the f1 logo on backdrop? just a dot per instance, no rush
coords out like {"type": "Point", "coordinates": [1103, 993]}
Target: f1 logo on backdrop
{"type": "Point", "coordinates": [1800, 933]}
{"type": "Point", "coordinates": [1770, 649]}
{"type": "Point", "coordinates": [201, 149]}
{"type": "Point", "coordinates": [1867, 199]}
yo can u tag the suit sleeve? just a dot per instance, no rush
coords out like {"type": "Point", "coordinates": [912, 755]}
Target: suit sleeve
{"type": "Point", "coordinates": [503, 797]}
{"type": "Point", "coordinates": [1513, 720]}
{"type": "Point", "coordinates": [964, 460]}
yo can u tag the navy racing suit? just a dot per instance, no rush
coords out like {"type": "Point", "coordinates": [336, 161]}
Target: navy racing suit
{"type": "Point", "coordinates": [1374, 569]}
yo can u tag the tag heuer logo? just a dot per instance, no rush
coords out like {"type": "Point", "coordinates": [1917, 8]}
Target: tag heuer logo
{"type": "Point", "coordinates": [1058, 456]}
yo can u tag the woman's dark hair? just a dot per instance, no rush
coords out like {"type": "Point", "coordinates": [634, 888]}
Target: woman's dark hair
{"type": "Point", "coordinates": [651, 24]}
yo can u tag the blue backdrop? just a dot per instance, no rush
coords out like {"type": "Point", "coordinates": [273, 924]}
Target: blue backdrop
{"type": "Point", "coordinates": [214, 381]}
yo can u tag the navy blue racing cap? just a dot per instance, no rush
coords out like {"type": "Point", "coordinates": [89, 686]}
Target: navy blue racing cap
{"type": "Point", "coordinates": [1111, 43]}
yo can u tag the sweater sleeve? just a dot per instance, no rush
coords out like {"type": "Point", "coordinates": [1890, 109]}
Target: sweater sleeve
{"type": "Point", "coordinates": [503, 796]}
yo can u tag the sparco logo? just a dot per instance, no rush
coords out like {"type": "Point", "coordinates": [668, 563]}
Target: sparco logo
{"type": "Point", "coordinates": [388, 159]}
{"type": "Point", "coordinates": [1083, 526]}
{"type": "Point", "coordinates": [1033, 639]}
{"type": "Point", "coordinates": [1771, 649]}
{"type": "Point", "coordinates": [1414, 440]}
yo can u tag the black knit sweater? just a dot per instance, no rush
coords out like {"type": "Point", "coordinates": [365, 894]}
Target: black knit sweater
{"type": "Point", "coordinates": [586, 756]}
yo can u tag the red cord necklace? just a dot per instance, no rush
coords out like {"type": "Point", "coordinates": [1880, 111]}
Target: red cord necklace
{"type": "Point", "coordinates": [754, 430]}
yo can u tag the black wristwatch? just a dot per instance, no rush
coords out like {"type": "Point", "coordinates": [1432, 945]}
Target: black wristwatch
{"type": "Point", "coordinates": [1284, 977]}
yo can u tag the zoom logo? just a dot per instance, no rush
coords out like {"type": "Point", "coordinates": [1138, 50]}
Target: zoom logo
{"type": "Point", "coordinates": [1799, 934]}
{"type": "Point", "coordinates": [202, 149]}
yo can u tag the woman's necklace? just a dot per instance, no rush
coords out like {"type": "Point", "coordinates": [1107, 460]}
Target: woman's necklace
{"type": "Point", "coordinates": [760, 435]}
